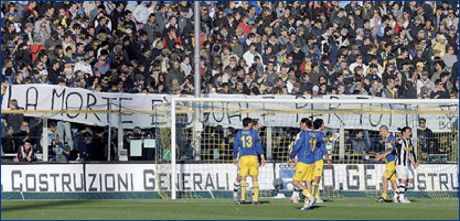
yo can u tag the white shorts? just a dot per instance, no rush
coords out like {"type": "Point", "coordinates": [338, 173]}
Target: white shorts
{"type": "Point", "coordinates": [405, 172]}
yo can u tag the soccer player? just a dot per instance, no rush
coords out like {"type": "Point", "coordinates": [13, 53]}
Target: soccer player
{"type": "Point", "coordinates": [305, 124]}
{"type": "Point", "coordinates": [304, 150]}
{"type": "Point", "coordinates": [237, 183]}
{"type": "Point", "coordinates": [319, 154]}
{"type": "Point", "coordinates": [404, 162]}
{"type": "Point", "coordinates": [390, 168]}
{"type": "Point", "coordinates": [246, 150]}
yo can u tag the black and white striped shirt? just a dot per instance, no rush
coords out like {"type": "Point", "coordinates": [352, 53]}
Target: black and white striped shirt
{"type": "Point", "coordinates": [405, 148]}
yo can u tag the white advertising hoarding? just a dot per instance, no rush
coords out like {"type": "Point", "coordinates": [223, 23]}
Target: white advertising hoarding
{"type": "Point", "coordinates": [360, 177]}
{"type": "Point", "coordinates": [203, 177]}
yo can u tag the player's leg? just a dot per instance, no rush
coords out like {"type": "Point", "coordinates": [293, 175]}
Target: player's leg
{"type": "Point", "coordinates": [315, 186]}
{"type": "Point", "coordinates": [410, 182]}
{"type": "Point", "coordinates": [318, 172]}
{"type": "Point", "coordinates": [385, 187]}
{"type": "Point", "coordinates": [236, 188]}
{"type": "Point", "coordinates": [394, 187]}
{"type": "Point", "coordinates": [410, 177]}
{"type": "Point", "coordinates": [308, 178]}
{"type": "Point", "coordinates": [295, 195]}
{"type": "Point", "coordinates": [254, 173]}
{"type": "Point", "coordinates": [299, 176]}
{"type": "Point", "coordinates": [402, 177]}
{"type": "Point", "coordinates": [402, 190]}
{"type": "Point", "coordinates": [244, 171]}
{"type": "Point", "coordinates": [387, 175]}
{"type": "Point", "coordinates": [236, 185]}
{"type": "Point", "coordinates": [308, 185]}
{"type": "Point", "coordinates": [255, 187]}
{"type": "Point", "coordinates": [243, 188]}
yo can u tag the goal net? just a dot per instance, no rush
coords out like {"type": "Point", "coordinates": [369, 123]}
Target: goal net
{"type": "Point", "coordinates": [203, 131]}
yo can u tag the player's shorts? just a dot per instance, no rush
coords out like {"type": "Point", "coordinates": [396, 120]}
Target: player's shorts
{"type": "Point", "coordinates": [390, 171]}
{"type": "Point", "coordinates": [248, 165]}
{"type": "Point", "coordinates": [318, 168]}
{"type": "Point", "coordinates": [405, 172]}
{"type": "Point", "coordinates": [302, 171]}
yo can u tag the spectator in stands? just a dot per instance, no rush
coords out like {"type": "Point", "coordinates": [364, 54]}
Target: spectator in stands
{"type": "Point", "coordinates": [390, 90]}
{"type": "Point", "coordinates": [123, 38]}
{"type": "Point", "coordinates": [7, 138]}
{"type": "Point", "coordinates": [425, 86]}
{"type": "Point", "coordinates": [25, 152]}
{"type": "Point", "coordinates": [14, 120]}
{"type": "Point", "coordinates": [81, 142]}
{"type": "Point", "coordinates": [359, 144]}
{"type": "Point", "coordinates": [439, 91]}
{"type": "Point", "coordinates": [55, 148]}
{"type": "Point", "coordinates": [21, 135]}
{"type": "Point", "coordinates": [65, 135]}
{"type": "Point", "coordinates": [426, 139]}
{"type": "Point", "coordinates": [68, 155]}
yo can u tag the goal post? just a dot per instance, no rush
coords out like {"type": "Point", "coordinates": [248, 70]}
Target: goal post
{"type": "Point", "coordinates": [351, 123]}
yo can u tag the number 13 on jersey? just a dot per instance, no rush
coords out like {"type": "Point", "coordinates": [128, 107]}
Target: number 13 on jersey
{"type": "Point", "coordinates": [246, 141]}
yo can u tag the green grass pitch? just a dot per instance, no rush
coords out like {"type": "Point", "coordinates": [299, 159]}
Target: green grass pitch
{"type": "Point", "coordinates": [340, 208]}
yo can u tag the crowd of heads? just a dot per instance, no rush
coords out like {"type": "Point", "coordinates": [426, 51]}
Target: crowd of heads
{"type": "Point", "coordinates": [384, 49]}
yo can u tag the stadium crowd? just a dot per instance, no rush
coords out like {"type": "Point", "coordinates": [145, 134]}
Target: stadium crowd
{"type": "Point", "coordinates": [384, 49]}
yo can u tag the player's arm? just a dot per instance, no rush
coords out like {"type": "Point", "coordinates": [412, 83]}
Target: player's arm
{"type": "Point", "coordinates": [388, 151]}
{"type": "Point", "coordinates": [236, 145]}
{"type": "Point", "coordinates": [413, 159]}
{"type": "Point", "coordinates": [324, 151]}
{"type": "Point", "coordinates": [260, 150]}
{"type": "Point", "coordinates": [261, 153]}
{"type": "Point", "coordinates": [296, 149]}
{"type": "Point", "coordinates": [291, 146]}
{"type": "Point", "coordinates": [398, 146]}
{"type": "Point", "coordinates": [385, 154]}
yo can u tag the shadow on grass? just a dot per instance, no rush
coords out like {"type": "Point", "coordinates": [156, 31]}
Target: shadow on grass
{"type": "Point", "coordinates": [311, 208]}
{"type": "Point", "coordinates": [7, 207]}
{"type": "Point", "coordinates": [264, 202]}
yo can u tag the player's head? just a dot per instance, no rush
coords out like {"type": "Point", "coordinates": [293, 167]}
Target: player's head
{"type": "Point", "coordinates": [406, 132]}
{"type": "Point", "coordinates": [255, 124]}
{"type": "Point", "coordinates": [247, 122]}
{"type": "Point", "coordinates": [383, 131]}
{"type": "Point", "coordinates": [318, 124]}
{"type": "Point", "coordinates": [305, 124]}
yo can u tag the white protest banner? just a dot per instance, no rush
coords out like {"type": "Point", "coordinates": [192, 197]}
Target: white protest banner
{"type": "Point", "coordinates": [96, 105]}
